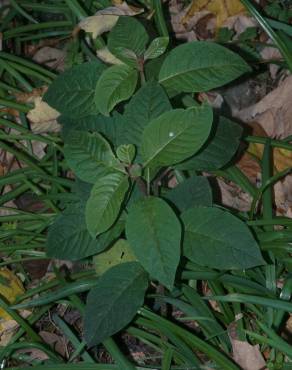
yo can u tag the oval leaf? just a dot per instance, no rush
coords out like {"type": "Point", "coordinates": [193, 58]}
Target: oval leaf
{"type": "Point", "coordinates": [192, 192]}
{"type": "Point", "coordinates": [120, 252]}
{"type": "Point", "coordinates": [104, 203]}
{"type": "Point", "coordinates": [219, 149]}
{"type": "Point", "coordinates": [156, 48]}
{"type": "Point", "coordinates": [88, 154]}
{"type": "Point", "coordinates": [154, 234]}
{"type": "Point", "coordinates": [200, 66]}
{"type": "Point", "coordinates": [176, 135]}
{"type": "Point", "coordinates": [72, 93]}
{"type": "Point", "coordinates": [149, 102]}
{"type": "Point", "coordinates": [116, 84]}
{"type": "Point", "coordinates": [217, 239]}
{"type": "Point", "coordinates": [113, 303]}
{"type": "Point", "coordinates": [126, 153]}
{"type": "Point", "coordinates": [69, 239]}
{"type": "Point", "coordinates": [127, 40]}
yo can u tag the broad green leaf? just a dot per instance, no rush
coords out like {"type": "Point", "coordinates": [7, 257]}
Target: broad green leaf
{"type": "Point", "coordinates": [176, 135]}
{"type": "Point", "coordinates": [156, 48]}
{"type": "Point", "coordinates": [154, 234]}
{"type": "Point", "coordinates": [153, 67]}
{"type": "Point", "coordinates": [194, 191]}
{"type": "Point", "coordinates": [116, 84]}
{"type": "Point", "coordinates": [110, 127]}
{"type": "Point", "coordinates": [217, 239]}
{"type": "Point", "coordinates": [68, 237]}
{"type": "Point", "coordinates": [114, 302]}
{"type": "Point", "coordinates": [148, 103]}
{"type": "Point", "coordinates": [104, 203]}
{"type": "Point", "coordinates": [127, 40]}
{"type": "Point", "coordinates": [126, 153]}
{"type": "Point", "coordinates": [89, 155]}
{"type": "Point", "coordinates": [200, 66]}
{"type": "Point", "coordinates": [120, 252]}
{"type": "Point", "coordinates": [72, 93]}
{"type": "Point", "coordinates": [219, 149]}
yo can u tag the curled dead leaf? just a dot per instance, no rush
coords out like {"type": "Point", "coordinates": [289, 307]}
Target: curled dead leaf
{"type": "Point", "coordinates": [104, 20]}
{"type": "Point", "coordinates": [107, 57]}
{"type": "Point", "coordinates": [273, 112]}
{"type": "Point", "coordinates": [51, 57]}
{"type": "Point", "coordinates": [43, 117]}
{"type": "Point", "coordinates": [248, 357]}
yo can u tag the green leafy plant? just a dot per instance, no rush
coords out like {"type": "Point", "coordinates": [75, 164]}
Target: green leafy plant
{"type": "Point", "coordinates": [131, 129]}
{"type": "Point", "coordinates": [123, 140]}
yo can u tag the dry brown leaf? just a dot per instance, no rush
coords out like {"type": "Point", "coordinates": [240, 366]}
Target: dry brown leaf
{"type": "Point", "coordinates": [184, 31]}
{"type": "Point", "coordinates": [105, 19]}
{"type": "Point", "coordinates": [233, 196]}
{"type": "Point", "coordinates": [51, 57]}
{"type": "Point", "coordinates": [272, 54]}
{"type": "Point", "coordinates": [28, 97]}
{"type": "Point", "coordinates": [43, 117]}
{"type": "Point", "coordinates": [222, 9]}
{"type": "Point", "coordinates": [273, 112]}
{"type": "Point", "coordinates": [248, 357]}
{"type": "Point", "coordinates": [57, 342]}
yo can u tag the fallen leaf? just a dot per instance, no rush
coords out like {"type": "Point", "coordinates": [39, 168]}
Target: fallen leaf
{"type": "Point", "coordinates": [184, 31]}
{"type": "Point", "coordinates": [233, 196]}
{"type": "Point", "coordinates": [56, 342]}
{"type": "Point", "coordinates": [51, 57]}
{"type": "Point", "coordinates": [34, 354]}
{"type": "Point", "coordinates": [43, 117]}
{"type": "Point", "coordinates": [239, 23]}
{"type": "Point", "coordinates": [273, 112]}
{"type": "Point", "coordinates": [7, 330]}
{"type": "Point", "coordinates": [107, 57]}
{"type": "Point", "coordinates": [222, 10]}
{"type": "Point", "coordinates": [104, 20]}
{"type": "Point", "coordinates": [28, 97]}
{"type": "Point", "coordinates": [10, 288]}
{"type": "Point", "coordinates": [248, 357]}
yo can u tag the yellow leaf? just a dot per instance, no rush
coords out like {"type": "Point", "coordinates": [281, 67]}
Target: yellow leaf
{"type": "Point", "coordinates": [282, 158]}
{"type": "Point", "coordinates": [98, 24]}
{"type": "Point", "coordinates": [222, 9]}
{"type": "Point", "coordinates": [120, 252]}
{"type": "Point", "coordinates": [10, 288]}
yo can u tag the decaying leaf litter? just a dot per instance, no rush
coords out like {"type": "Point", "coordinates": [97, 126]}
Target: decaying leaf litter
{"type": "Point", "coordinates": [267, 116]}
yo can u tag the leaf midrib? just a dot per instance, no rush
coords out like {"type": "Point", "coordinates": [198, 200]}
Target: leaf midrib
{"type": "Point", "coordinates": [199, 70]}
